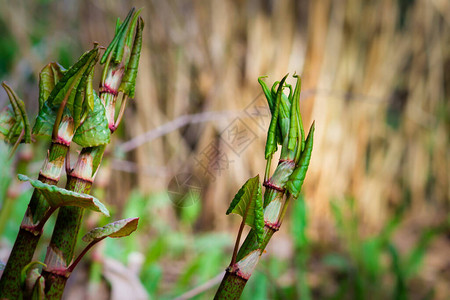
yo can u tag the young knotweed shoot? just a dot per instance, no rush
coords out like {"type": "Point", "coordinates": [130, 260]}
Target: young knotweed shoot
{"type": "Point", "coordinates": [285, 129]}
{"type": "Point", "coordinates": [119, 59]}
{"type": "Point", "coordinates": [57, 98]}
{"type": "Point", "coordinates": [70, 110]}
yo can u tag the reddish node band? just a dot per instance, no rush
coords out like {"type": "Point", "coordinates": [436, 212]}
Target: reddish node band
{"type": "Point", "coordinates": [77, 177]}
{"type": "Point", "coordinates": [60, 140]}
{"type": "Point", "coordinates": [272, 186]}
{"type": "Point", "coordinates": [107, 89]}
{"type": "Point", "coordinates": [273, 226]}
{"type": "Point", "coordinates": [32, 229]}
{"type": "Point", "coordinates": [285, 160]}
{"type": "Point", "coordinates": [235, 270]}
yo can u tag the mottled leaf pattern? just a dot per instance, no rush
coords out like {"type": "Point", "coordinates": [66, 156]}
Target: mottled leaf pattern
{"type": "Point", "coordinates": [57, 196]}
{"type": "Point", "coordinates": [116, 229]}
{"type": "Point", "coordinates": [94, 130]}
{"type": "Point", "coordinates": [248, 204]}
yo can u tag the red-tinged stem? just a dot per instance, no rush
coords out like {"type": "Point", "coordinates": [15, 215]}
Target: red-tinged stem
{"type": "Point", "coordinates": [121, 112]}
{"type": "Point", "coordinates": [239, 272]}
{"type": "Point", "coordinates": [82, 254]}
{"type": "Point", "coordinates": [40, 226]}
{"type": "Point", "coordinates": [27, 239]}
{"type": "Point", "coordinates": [238, 239]}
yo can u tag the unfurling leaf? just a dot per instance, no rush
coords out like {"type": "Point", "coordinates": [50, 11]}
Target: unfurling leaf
{"type": "Point", "coordinates": [295, 120]}
{"type": "Point", "coordinates": [129, 79]}
{"type": "Point", "coordinates": [57, 196]}
{"type": "Point", "coordinates": [294, 185]}
{"type": "Point", "coordinates": [273, 134]}
{"type": "Point", "coordinates": [65, 92]}
{"type": "Point", "coordinates": [116, 229]}
{"type": "Point", "coordinates": [48, 78]}
{"type": "Point", "coordinates": [122, 39]}
{"type": "Point", "coordinates": [248, 204]}
{"type": "Point", "coordinates": [94, 130]}
{"type": "Point", "coordinates": [13, 119]}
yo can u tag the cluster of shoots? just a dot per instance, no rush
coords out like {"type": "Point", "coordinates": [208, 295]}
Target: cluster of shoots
{"type": "Point", "coordinates": [265, 215]}
{"type": "Point", "coordinates": [70, 111]}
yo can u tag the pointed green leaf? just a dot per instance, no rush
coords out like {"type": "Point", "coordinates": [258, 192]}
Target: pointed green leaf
{"type": "Point", "coordinates": [129, 79]}
{"type": "Point", "coordinates": [294, 185]}
{"type": "Point", "coordinates": [68, 84]}
{"type": "Point", "coordinates": [248, 204]}
{"type": "Point", "coordinates": [267, 93]}
{"type": "Point", "coordinates": [80, 104]}
{"type": "Point", "coordinates": [94, 130]}
{"type": "Point", "coordinates": [57, 196]}
{"type": "Point", "coordinates": [116, 229]}
{"type": "Point", "coordinates": [295, 117]}
{"type": "Point", "coordinates": [123, 37]}
{"type": "Point", "coordinates": [48, 78]}
{"type": "Point", "coordinates": [271, 143]}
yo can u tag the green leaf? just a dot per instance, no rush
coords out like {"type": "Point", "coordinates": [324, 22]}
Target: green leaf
{"type": "Point", "coordinates": [294, 185]}
{"type": "Point", "coordinates": [57, 196]}
{"type": "Point", "coordinates": [116, 229]}
{"type": "Point", "coordinates": [20, 119]}
{"type": "Point", "coordinates": [66, 90]}
{"type": "Point", "coordinates": [295, 118]}
{"type": "Point", "coordinates": [128, 83]}
{"type": "Point", "coordinates": [48, 78]}
{"type": "Point", "coordinates": [45, 120]}
{"type": "Point", "coordinates": [94, 130]}
{"type": "Point", "coordinates": [267, 93]}
{"type": "Point", "coordinates": [271, 143]}
{"type": "Point", "coordinates": [68, 84]}
{"type": "Point", "coordinates": [248, 204]}
{"type": "Point", "coordinates": [84, 94]}
{"type": "Point", "coordinates": [122, 38]}
{"type": "Point", "coordinates": [39, 289]}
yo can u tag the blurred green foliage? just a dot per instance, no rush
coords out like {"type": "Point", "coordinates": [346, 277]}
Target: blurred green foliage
{"type": "Point", "coordinates": [8, 49]}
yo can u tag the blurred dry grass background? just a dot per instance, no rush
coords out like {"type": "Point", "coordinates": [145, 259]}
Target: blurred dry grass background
{"type": "Point", "coordinates": [375, 78]}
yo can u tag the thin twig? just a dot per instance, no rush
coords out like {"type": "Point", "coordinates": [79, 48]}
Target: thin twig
{"type": "Point", "coordinates": [201, 288]}
{"type": "Point", "coordinates": [174, 125]}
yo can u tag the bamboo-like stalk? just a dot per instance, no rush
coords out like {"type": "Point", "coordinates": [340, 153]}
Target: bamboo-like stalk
{"type": "Point", "coordinates": [68, 223]}
{"type": "Point", "coordinates": [64, 238]}
{"type": "Point", "coordinates": [28, 238]}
